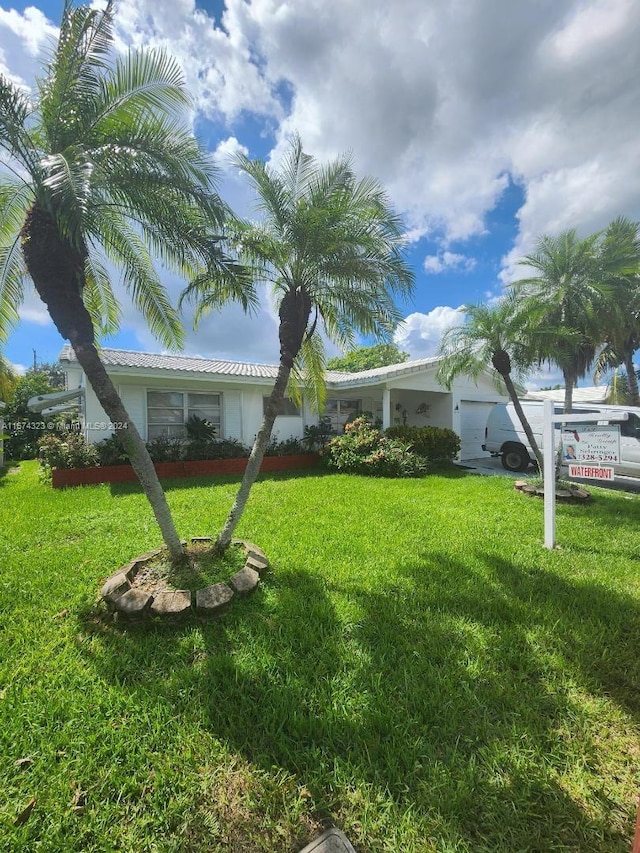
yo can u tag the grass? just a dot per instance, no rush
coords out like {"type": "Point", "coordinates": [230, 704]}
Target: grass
{"type": "Point", "coordinates": [416, 668]}
{"type": "Point", "coordinates": [203, 567]}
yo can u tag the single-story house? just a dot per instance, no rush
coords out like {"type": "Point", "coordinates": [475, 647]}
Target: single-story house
{"type": "Point", "coordinates": [160, 392]}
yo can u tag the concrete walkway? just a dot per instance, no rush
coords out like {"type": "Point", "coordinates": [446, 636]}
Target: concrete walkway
{"type": "Point", "coordinates": [492, 467]}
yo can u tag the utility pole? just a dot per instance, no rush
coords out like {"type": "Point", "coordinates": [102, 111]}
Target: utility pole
{"type": "Point", "coordinates": [35, 361]}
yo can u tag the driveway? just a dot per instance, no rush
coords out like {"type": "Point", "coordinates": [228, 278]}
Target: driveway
{"type": "Point", "coordinates": [491, 467]}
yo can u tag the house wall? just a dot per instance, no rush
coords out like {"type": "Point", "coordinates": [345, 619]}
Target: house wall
{"type": "Point", "coordinates": [417, 394]}
{"type": "Point", "coordinates": [241, 415]}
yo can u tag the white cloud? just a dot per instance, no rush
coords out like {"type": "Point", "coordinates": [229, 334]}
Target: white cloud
{"type": "Point", "coordinates": [33, 310]}
{"type": "Point", "coordinates": [18, 369]}
{"type": "Point", "coordinates": [420, 334]}
{"type": "Point", "coordinates": [448, 261]}
{"type": "Point", "coordinates": [227, 149]}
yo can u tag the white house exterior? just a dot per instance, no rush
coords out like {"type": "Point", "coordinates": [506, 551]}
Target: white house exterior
{"type": "Point", "coordinates": [161, 391]}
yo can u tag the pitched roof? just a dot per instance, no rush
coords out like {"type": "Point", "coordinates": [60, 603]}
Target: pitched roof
{"type": "Point", "coordinates": [594, 394]}
{"type": "Point", "coordinates": [218, 367]}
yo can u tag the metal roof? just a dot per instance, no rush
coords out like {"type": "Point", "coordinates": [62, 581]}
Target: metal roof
{"type": "Point", "coordinates": [123, 359]}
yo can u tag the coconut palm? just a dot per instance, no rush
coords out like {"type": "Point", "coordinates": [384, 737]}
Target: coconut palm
{"type": "Point", "coordinates": [102, 168]}
{"type": "Point", "coordinates": [569, 295]}
{"type": "Point", "coordinates": [494, 336]}
{"type": "Point", "coordinates": [619, 259]}
{"type": "Point", "coordinates": [330, 246]}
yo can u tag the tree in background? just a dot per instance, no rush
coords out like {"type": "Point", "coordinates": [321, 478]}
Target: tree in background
{"type": "Point", "coordinates": [568, 295]}
{"type": "Point", "coordinates": [495, 336]}
{"type": "Point", "coordinates": [8, 380]}
{"type": "Point", "coordinates": [330, 245]}
{"type": "Point", "coordinates": [103, 167]}
{"type": "Point", "coordinates": [368, 358]}
{"type": "Point", "coordinates": [22, 426]}
{"type": "Point", "coordinates": [619, 261]}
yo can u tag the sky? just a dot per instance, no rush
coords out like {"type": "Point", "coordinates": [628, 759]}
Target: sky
{"type": "Point", "coordinates": [489, 123]}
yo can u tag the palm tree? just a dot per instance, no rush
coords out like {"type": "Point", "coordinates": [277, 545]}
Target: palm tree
{"type": "Point", "coordinates": [620, 265]}
{"type": "Point", "coordinates": [567, 295]}
{"type": "Point", "coordinates": [330, 246]}
{"type": "Point", "coordinates": [103, 169]}
{"type": "Point", "coordinates": [8, 380]}
{"type": "Point", "coordinates": [491, 335]}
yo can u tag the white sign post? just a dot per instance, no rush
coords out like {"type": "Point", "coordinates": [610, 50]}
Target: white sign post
{"type": "Point", "coordinates": [601, 444]}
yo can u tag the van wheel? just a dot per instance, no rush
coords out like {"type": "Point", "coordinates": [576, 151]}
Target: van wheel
{"type": "Point", "coordinates": [515, 458]}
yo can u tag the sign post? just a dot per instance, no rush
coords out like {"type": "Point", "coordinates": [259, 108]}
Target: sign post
{"type": "Point", "coordinates": [597, 444]}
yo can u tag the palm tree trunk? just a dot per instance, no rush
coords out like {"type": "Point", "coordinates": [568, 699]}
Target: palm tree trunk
{"type": "Point", "coordinates": [255, 459]}
{"type": "Point", "coordinates": [632, 376]}
{"type": "Point", "coordinates": [56, 268]}
{"type": "Point", "coordinates": [131, 441]}
{"type": "Point", "coordinates": [526, 426]}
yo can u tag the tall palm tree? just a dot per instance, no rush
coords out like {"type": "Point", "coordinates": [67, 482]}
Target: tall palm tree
{"type": "Point", "coordinates": [102, 168]}
{"type": "Point", "coordinates": [330, 246]}
{"type": "Point", "coordinates": [619, 260]}
{"type": "Point", "coordinates": [491, 335]}
{"type": "Point", "coordinates": [568, 295]}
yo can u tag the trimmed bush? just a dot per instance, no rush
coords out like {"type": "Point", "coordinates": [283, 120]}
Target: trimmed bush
{"type": "Point", "coordinates": [287, 447]}
{"type": "Point", "coordinates": [69, 450]}
{"type": "Point", "coordinates": [363, 449]}
{"type": "Point", "coordinates": [434, 443]}
{"type": "Point", "coordinates": [111, 452]}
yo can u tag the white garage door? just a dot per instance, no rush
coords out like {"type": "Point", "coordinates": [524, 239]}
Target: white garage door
{"type": "Point", "coordinates": [473, 420]}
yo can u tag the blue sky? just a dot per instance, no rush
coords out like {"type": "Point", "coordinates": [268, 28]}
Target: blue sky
{"type": "Point", "coordinates": [488, 123]}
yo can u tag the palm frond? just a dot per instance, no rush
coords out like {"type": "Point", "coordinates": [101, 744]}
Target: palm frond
{"type": "Point", "coordinates": [15, 198]}
{"type": "Point", "coordinates": [73, 77]}
{"type": "Point", "coordinates": [127, 249]}
{"type": "Point", "coordinates": [99, 298]}
{"type": "Point", "coordinates": [307, 380]}
{"type": "Point", "coordinates": [15, 138]}
{"type": "Point", "coordinates": [149, 81]}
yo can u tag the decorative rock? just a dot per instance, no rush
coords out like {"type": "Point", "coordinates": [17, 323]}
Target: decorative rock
{"type": "Point", "coordinates": [519, 484]}
{"type": "Point", "coordinates": [133, 603]}
{"type": "Point", "coordinates": [115, 586]}
{"type": "Point", "coordinates": [148, 555]}
{"type": "Point", "coordinates": [250, 548]}
{"type": "Point", "coordinates": [197, 539]}
{"type": "Point", "coordinates": [171, 603]}
{"type": "Point", "coordinates": [257, 563]}
{"type": "Point", "coordinates": [245, 581]}
{"type": "Point", "coordinates": [213, 598]}
{"type": "Point", "coordinates": [331, 841]}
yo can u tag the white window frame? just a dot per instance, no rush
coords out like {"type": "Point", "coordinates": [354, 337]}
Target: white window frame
{"type": "Point", "coordinates": [286, 402]}
{"type": "Point", "coordinates": [176, 430]}
{"type": "Point", "coordinates": [339, 419]}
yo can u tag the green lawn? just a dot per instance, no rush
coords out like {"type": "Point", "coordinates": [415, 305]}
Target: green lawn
{"type": "Point", "coordinates": [415, 668]}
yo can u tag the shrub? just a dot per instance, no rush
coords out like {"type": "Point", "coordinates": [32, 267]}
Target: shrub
{"type": "Point", "coordinates": [111, 452]}
{"type": "Point", "coordinates": [363, 449]}
{"type": "Point", "coordinates": [435, 443]}
{"type": "Point", "coordinates": [227, 448]}
{"type": "Point", "coordinates": [288, 447]}
{"type": "Point", "coordinates": [69, 450]}
{"type": "Point", "coordinates": [165, 449]}
{"type": "Point", "coordinates": [316, 436]}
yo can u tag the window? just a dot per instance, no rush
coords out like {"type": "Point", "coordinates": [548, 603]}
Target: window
{"type": "Point", "coordinates": [341, 412]}
{"type": "Point", "coordinates": [631, 427]}
{"type": "Point", "coordinates": [168, 411]}
{"type": "Point", "coordinates": [286, 407]}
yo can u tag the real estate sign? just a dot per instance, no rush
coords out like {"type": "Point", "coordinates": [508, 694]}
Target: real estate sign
{"type": "Point", "coordinates": [591, 444]}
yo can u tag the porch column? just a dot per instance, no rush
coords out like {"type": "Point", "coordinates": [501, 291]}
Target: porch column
{"type": "Point", "coordinates": [386, 408]}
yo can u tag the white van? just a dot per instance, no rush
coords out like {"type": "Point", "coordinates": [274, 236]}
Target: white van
{"type": "Point", "coordinates": [504, 436]}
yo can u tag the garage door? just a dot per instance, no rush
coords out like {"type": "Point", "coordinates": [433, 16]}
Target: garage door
{"type": "Point", "coordinates": [473, 420]}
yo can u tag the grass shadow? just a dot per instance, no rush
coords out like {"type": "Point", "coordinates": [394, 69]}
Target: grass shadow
{"type": "Point", "coordinates": [448, 700]}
